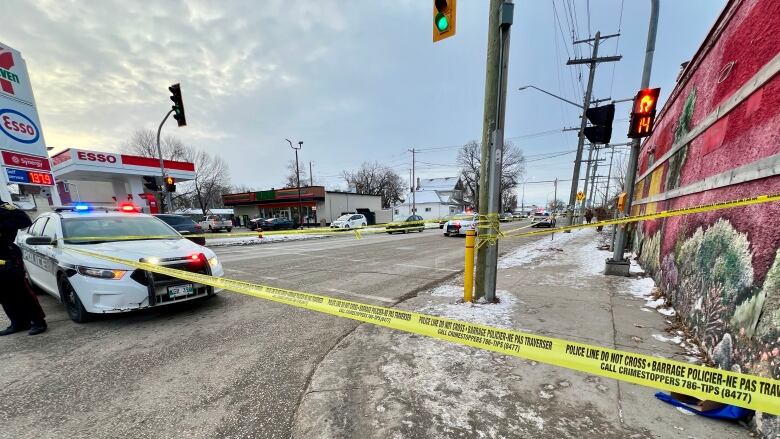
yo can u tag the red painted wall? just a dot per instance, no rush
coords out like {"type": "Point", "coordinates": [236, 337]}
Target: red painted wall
{"type": "Point", "coordinates": [721, 269]}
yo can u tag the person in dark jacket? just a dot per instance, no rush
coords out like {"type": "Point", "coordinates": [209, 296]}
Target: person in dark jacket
{"type": "Point", "coordinates": [588, 215]}
{"type": "Point", "coordinates": [17, 298]}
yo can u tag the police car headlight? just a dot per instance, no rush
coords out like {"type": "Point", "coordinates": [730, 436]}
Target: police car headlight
{"type": "Point", "coordinates": [214, 262]}
{"type": "Point", "coordinates": [102, 273]}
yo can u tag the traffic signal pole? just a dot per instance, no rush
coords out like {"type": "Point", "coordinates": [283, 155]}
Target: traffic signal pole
{"type": "Point", "coordinates": [496, 72]}
{"type": "Point", "coordinates": [165, 193]}
{"type": "Point", "coordinates": [620, 235]}
{"type": "Point", "coordinates": [592, 62]}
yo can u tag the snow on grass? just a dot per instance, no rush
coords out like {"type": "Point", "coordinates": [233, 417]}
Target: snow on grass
{"type": "Point", "coordinates": [254, 240]}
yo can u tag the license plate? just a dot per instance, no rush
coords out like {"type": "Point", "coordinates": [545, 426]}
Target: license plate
{"type": "Point", "coordinates": [180, 290]}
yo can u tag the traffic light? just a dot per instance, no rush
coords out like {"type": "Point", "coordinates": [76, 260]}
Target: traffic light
{"type": "Point", "coordinates": [601, 118]}
{"type": "Point", "coordinates": [170, 184]}
{"type": "Point", "coordinates": [178, 105]}
{"type": "Point", "coordinates": [152, 184]}
{"type": "Point", "coordinates": [443, 19]}
{"type": "Point", "coordinates": [643, 113]}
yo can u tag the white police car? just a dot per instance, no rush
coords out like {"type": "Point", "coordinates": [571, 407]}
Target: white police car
{"type": "Point", "coordinates": [87, 285]}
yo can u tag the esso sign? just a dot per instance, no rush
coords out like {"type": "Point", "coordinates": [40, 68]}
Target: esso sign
{"type": "Point", "coordinates": [18, 126]}
{"type": "Point", "coordinates": [96, 157]}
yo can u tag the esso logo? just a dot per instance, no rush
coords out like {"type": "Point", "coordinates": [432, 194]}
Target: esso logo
{"type": "Point", "coordinates": [18, 126]}
{"type": "Point", "coordinates": [96, 157]}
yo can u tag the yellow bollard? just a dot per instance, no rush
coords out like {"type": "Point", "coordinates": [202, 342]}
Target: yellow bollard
{"type": "Point", "coordinates": [468, 276]}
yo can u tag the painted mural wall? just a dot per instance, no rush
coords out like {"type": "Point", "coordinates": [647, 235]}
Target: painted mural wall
{"type": "Point", "coordinates": [721, 270]}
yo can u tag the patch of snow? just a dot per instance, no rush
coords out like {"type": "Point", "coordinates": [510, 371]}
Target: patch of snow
{"type": "Point", "coordinates": [641, 288]}
{"type": "Point", "coordinates": [528, 252]}
{"type": "Point", "coordinates": [655, 303]}
{"type": "Point", "coordinates": [254, 240]}
{"type": "Point", "coordinates": [676, 339]}
{"type": "Point", "coordinates": [491, 314]}
{"type": "Point", "coordinates": [447, 291]}
{"type": "Point", "coordinates": [667, 311]}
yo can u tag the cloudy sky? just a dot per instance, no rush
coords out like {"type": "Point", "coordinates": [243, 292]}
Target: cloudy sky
{"type": "Point", "coordinates": [354, 80]}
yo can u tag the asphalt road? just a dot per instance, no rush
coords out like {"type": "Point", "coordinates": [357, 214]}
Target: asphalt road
{"type": "Point", "coordinates": [232, 366]}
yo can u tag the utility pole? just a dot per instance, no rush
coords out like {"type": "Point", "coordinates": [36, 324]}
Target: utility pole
{"type": "Point", "coordinates": [414, 186]}
{"type": "Point", "coordinates": [593, 177]}
{"type": "Point", "coordinates": [587, 177]}
{"type": "Point", "coordinates": [617, 265]}
{"type": "Point", "coordinates": [609, 176]}
{"type": "Point", "coordinates": [592, 62]}
{"type": "Point", "coordinates": [555, 197]}
{"type": "Point", "coordinates": [496, 69]}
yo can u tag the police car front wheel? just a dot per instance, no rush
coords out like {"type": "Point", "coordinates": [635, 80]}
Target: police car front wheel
{"type": "Point", "coordinates": [73, 304]}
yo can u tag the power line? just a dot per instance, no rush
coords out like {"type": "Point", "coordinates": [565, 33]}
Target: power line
{"type": "Point", "coordinates": [617, 46]}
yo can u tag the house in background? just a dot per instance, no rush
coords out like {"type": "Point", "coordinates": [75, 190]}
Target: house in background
{"type": "Point", "coordinates": [433, 198]}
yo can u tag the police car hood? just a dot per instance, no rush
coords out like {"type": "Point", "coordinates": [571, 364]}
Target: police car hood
{"type": "Point", "coordinates": [136, 250]}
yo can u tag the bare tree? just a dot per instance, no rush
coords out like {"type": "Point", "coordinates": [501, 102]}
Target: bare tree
{"type": "Point", "coordinates": [512, 170]}
{"type": "Point", "coordinates": [143, 142]}
{"type": "Point", "coordinates": [509, 201]}
{"type": "Point", "coordinates": [291, 180]}
{"type": "Point", "coordinates": [556, 205]}
{"type": "Point", "coordinates": [376, 179]}
{"type": "Point", "coordinates": [212, 176]}
{"type": "Point", "coordinates": [212, 180]}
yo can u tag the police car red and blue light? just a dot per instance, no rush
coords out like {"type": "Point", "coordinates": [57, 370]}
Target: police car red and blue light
{"type": "Point", "coordinates": [90, 285]}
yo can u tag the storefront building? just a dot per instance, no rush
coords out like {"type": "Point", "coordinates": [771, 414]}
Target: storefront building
{"type": "Point", "coordinates": [317, 205]}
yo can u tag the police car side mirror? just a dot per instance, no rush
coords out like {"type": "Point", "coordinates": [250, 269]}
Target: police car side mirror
{"type": "Point", "coordinates": [39, 240]}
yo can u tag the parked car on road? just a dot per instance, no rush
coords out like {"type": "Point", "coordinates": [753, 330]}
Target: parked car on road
{"type": "Point", "coordinates": [505, 217]}
{"type": "Point", "coordinates": [278, 224]}
{"type": "Point", "coordinates": [215, 223]}
{"type": "Point", "coordinates": [444, 220]}
{"type": "Point", "coordinates": [543, 219]}
{"type": "Point", "coordinates": [415, 223]}
{"type": "Point", "coordinates": [459, 224]}
{"type": "Point", "coordinates": [185, 226]}
{"type": "Point", "coordinates": [349, 221]}
{"type": "Point", "coordinates": [255, 223]}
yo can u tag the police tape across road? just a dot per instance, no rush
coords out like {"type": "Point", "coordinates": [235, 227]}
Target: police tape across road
{"type": "Point", "coordinates": [487, 231]}
{"type": "Point", "coordinates": [748, 391]}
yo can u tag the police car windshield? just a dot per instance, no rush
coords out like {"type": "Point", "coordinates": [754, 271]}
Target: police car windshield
{"type": "Point", "coordinates": [93, 230]}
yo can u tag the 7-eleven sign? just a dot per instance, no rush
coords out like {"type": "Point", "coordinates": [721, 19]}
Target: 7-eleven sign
{"type": "Point", "coordinates": [7, 77]}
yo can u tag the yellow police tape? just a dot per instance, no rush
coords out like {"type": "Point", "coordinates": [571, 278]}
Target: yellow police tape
{"type": "Point", "coordinates": [751, 392]}
{"type": "Point", "coordinates": [652, 216]}
{"type": "Point", "coordinates": [488, 225]}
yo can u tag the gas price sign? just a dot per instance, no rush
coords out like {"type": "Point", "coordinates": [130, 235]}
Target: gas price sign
{"type": "Point", "coordinates": [29, 177]}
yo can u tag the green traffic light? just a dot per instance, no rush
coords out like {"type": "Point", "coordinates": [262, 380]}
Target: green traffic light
{"type": "Point", "coordinates": [441, 22]}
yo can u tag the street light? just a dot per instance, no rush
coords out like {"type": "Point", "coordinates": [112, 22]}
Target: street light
{"type": "Point", "coordinates": [298, 179]}
{"type": "Point", "coordinates": [551, 94]}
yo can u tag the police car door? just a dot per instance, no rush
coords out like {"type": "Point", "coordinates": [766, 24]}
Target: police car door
{"type": "Point", "coordinates": [48, 256]}
{"type": "Point", "coordinates": [29, 252]}
{"type": "Point", "coordinates": [38, 259]}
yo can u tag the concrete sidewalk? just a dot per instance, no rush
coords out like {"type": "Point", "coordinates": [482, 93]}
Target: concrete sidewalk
{"type": "Point", "coordinates": [380, 383]}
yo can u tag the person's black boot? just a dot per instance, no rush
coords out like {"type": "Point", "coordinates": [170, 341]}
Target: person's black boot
{"type": "Point", "coordinates": [38, 327]}
{"type": "Point", "coordinates": [12, 330]}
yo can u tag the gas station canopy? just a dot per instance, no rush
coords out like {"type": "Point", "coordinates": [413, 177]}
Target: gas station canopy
{"type": "Point", "coordinates": [80, 164]}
